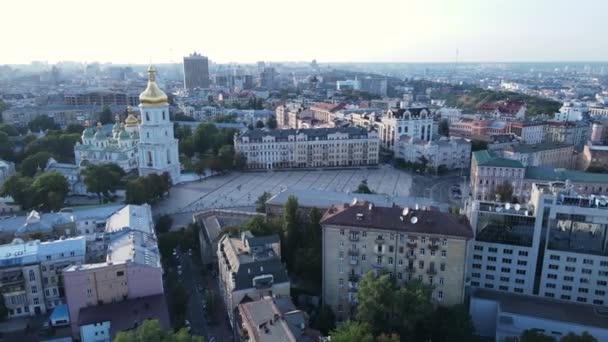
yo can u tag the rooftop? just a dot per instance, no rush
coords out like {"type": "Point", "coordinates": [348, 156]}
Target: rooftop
{"type": "Point", "coordinates": [23, 253]}
{"type": "Point", "coordinates": [526, 148]}
{"type": "Point", "coordinates": [551, 174]}
{"type": "Point", "coordinates": [489, 158]}
{"type": "Point", "coordinates": [127, 314]}
{"type": "Point", "coordinates": [545, 308]}
{"type": "Point", "coordinates": [408, 220]}
{"type": "Point", "coordinates": [310, 132]}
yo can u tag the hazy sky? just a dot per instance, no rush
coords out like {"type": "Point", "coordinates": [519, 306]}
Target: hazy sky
{"type": "Point", "coordinates": [133, 31]}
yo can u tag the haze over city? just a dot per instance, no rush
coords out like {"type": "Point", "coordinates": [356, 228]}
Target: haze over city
{"type": "Point", "coordinates": [141, 32]}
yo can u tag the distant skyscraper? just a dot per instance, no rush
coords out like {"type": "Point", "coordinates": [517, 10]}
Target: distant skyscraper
{"type": "Point", "coordinates": [196, 71]}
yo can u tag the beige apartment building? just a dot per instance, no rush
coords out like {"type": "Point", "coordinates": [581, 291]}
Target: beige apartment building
{"type": "Point", "coordinates": [314, 147]}
{"type": "Point", "coordinates": [408, 243]}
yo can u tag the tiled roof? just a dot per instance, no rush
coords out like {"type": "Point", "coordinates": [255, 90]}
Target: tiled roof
{"type": "Point", "coordinates": [365, 215]}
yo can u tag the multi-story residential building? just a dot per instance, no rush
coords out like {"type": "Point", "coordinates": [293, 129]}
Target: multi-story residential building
{"type": "Point", "coordinates": [478, 128]}
{"type": "Point", "coordinates": [324, 112]}
{"type": "Point", "coordinates": [452, 153]}
{"type": "Point", "coordinates": [250, 267]}
{"type": "Point", "coordinates": [30, 273]}
{"type": "Point", "coordinates": [553, 246]}
{"type": "Point", "coordinates": [594, 154]}
{"type": "Point", "coordinates": [100, 98]}
{"type": "Point", "coordinates": [408, 243]}
{"type": "Point", "coordinates": [61, 114]}
{"type": "Point", "coordinates": [196, 71]}
{"type": "Point", "coordinates": [506, 109]}
{"type": "Point", "coordinates": [568, 132]}
{"type": "Point", "coordinates": [413, 122]}
{"type": "Point", "coordinates": [544, 154]}
{"type": "Point", "coordinates": [314, 147]}
{"type": "Point", "coordinates": [527, 132]}
{"type": "Point", "coordinates": [273, 319]}
{"type": "Point", "coordinates": [287, 115]}
{"type": "Point", "coordinates": [571, 111]}
{"type": "Point", "coordinates": [489, 170]}
{"type": "Point", "coordinates": [125, 264]}
{"type": "Point", "coordinates": [452, 115]}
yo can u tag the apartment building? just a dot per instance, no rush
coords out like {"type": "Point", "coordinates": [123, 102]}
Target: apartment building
{"type": "Point", "coordinates": [575, 133]}
{"type": "Point", "coordinates": [129, 267]}
{"type": "Point", "coordinates": [414, 122]}
{"type": "Point", "coordinates": [249, 269]}
{"type": "Point", "coordinates": [554, 246]}
{"type": "Point", "coordinates": [30, 273]}
{"type": "Point", "coordinates": [527, 132]}
{"type": "Point", "coordinates": [315, 147]}
{"type": "Point", "coordinates": [273, 319]}
{"type": "Point", "coordinates": [287, 114]}
{"type": "Point", "coordinates": [452, 153]}
{"type": "Point", "coordinates": [408, 243]}
{"type": "Point", "coordinates": [325, 112]}
{"type": "Point", "coordinates": [544, 154]}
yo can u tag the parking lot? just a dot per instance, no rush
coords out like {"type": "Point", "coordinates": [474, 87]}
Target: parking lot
{"type": "Point", "coordinates": [241, 189]}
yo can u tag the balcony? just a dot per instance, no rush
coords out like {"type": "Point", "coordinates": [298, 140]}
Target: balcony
{"type": "Point", "coordinates": [353, 278]}
{"type": "Point", "coordinates": [353, 251]}
{"type": "Point", "coordinates": [353, 262]}
{"type": "Point", "coordinates": [431, 271]}
{"type": "Point", "coordinates": [410, 256]}
{"type": "Point", "coordinates": [379, 241]}
{"type": "Point", "coordinates": [410, 269]}
{"type": "Point", "coordinates": [412, 244]}
{"type": "Point", "coordinates": [353, 237]}
{"type": "Point", "coordinates": [433, 246]}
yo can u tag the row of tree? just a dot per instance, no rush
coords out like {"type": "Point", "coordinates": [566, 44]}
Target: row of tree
{"type": "Point", "coordinates": [148, 189]}
{"type": "Point", "coordinates": [151, 330]}
{"type": "Point", "coordinates": [44, 191]}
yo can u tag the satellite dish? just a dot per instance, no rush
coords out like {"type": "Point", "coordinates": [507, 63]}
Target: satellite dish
{"type": "Point", "coordinates": [517, 206]}
{"type": "Point", "coordinates": [414, 219]}
{"type": "Point", "coordinates": [508, 206]}
{"type": "Point", "coordinates": [405, 211]}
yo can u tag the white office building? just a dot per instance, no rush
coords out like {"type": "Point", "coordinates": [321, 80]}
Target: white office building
{"type": "Point", "coordinates": [554, 246]}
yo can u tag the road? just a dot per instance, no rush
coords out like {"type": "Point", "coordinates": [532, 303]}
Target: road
{"type": "Point", "coordinates": [214, 331]}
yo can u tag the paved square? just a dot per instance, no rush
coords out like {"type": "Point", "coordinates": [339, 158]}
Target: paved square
{"type": "Point", "coordinates": [241, 189]}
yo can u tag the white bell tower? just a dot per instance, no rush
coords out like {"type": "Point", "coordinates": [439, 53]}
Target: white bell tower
{"type": "Point", "coordinates": [158, 148]}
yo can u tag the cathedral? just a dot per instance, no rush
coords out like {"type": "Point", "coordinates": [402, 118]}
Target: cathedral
{"type": "Point", "coordinates": [146, 144]}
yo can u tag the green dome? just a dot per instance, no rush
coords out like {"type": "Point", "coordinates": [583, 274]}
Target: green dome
{"type": "Point", "coordinates": [89, 132]}
{"type": "Point", "coordinates": [99, 135]}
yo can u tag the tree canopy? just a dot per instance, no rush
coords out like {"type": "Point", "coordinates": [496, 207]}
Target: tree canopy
{"type": "Point", "coordinates": [363, 188]}
{"type": "Point", "coordinates": [42, 123]}
{"type": "Point", "coordinates": [101, 179]}
{"type": "Point", "coordinates": [350, 331]}
{"type": "Point", "coordinates": [148, 189]}
{"type": "Point", "coordinates": [151, 331]}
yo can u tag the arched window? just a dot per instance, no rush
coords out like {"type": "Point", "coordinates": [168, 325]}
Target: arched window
{"type": "Point", "coordinates": [166, 134]}
{"type": "Point", "coordinates": [149, 158]}
{"type": "Point", "coordinates": [148, 134]}
{"type": "Point", "coordinates": [163, 115]}
{"type": "Point", "coordinates": [147, 116]}
{"type": "Point", "coordinates": [168, 157]}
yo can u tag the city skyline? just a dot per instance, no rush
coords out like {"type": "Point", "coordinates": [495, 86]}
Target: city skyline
{"type": "Point", "coordinates": [137, 32]}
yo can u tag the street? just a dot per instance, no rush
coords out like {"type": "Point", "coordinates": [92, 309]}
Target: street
{"type": "Point", "coordinates": [214, 330]}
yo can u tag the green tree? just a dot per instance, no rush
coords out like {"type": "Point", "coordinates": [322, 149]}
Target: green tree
{"type": "Point", "coordinates": [259, 124]}
{"type": "Point", "coordinates": [410, 308]}
{"type": "Point", "coordinates": [363, 188]}
{"type": "Point", "coordinates": [6, 147]}
{"type": "Point", "coordinates": [350, 331]}
{"type": "Point", "coordinates": [260, 203]}
{"type": "Point", "coordinates": [240, 161]}
{"type": "Point", "coordinates": [535, 336]}
{"type": "Point", "coordinates": [19, 188]}
{"type": "Point", "coordinates": [163, 224]}
{"type": "Point", "coordinates": [504, 191]}
{"type": "Point", "coordinates": [271, 122]}
{"type": "Point", "coordinates": [325, 321]}
{"type": "Point", "coordinates": [226, 156]}
{"type": "Point", "coordinates": [584, 337]}
{"type": "Point", "coordinates": [105, 116]}
{"type": "Point", "coordinates": [444, 128]}
{"type": "Point", "coordinates": [101, 179]}
{"type": "Point", "coordinates": [151, 331]}
{"type": "Point", "coordinates": [30, 165]}
{"type": "Point", "coordinates": [375, 297]}
{"type": "Point", "coordinates": [74, 129]}
{"type": "Point", "coordinates": [9, 130]}
{"type": "Point", "coordinates": [3, 309]}
{"type": "Point", "coordinates": [291, 226]}
{"type": "Point", "coordinates": [42, 123]}
{"type": "Point", "coordinates": [442, 169]}
{"type": "Point", "coordinates": [50, 190]}
{"type": "Point", "coordinates": [451, 324]}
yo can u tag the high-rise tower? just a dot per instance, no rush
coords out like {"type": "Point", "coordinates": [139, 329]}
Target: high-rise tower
{"type": "Point", "coordinates": [196, 71]}
{"type": "Point", "coordinates": [158, 148]}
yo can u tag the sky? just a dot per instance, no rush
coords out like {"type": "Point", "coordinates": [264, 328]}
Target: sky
{"type": "Point", "coordinates": [246, 31]}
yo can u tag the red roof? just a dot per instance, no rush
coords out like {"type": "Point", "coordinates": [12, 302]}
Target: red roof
{"type": "Point", "coordinates": [328, 107]}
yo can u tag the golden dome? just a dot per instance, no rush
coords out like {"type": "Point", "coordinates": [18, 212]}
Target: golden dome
{"type": "Point", "coordinates": [153, 96]}
{"type": "Point", "coordinates": [131, 118]}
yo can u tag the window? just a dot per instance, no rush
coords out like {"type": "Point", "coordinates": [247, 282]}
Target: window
{"type": "Point", "coordinates": [522, 262]}
{"type": "Point", "coordinates": [493, 250]}
{"type": "Point", "coordinates": [34, 289]}
{"type": "Point", "coordinates": [390, 260]}
{"type": "Point", "coordinates": [421, 251]}
{"type": "Point", "coordinates": [523, 272]}
{"type": "Point", "coordinates": [570, 259]}
{"type": "Point", "coordinates": [488, 286]}
{"type": "Point", "coordinates": [504, 279]}
{"type": "Point", "coordinates": [602, 283]}
{"type": "Point", "coordinates": [503, 288]}
{"type": "Point", "coordinates": [553, 267]}
{"type": "Point", "coordinates": [476, 275]}
{"type": "Point", "coordinates": [400, 262]}
{"type": "Point", "coordinates": [477, 266]}
{"type": "Point", "coordinates": [506, 261]}
{"type": "Point", "coordinates": [479, 248]}
{"type": "Point", "coordinates": [566, 297]}
{"type": "Point", "coordinates": [474, 283]}
{"type": "Point", "coordinates": [519, 281]}
{"type": "Point", "coordinates": [523, 253]}
{"type": "Point", "coordinates": [492, 259]}
{"type": "Point", "coordinates": [440, 295]}
{"type": "Point", "coordinates": [518, 290]}
{"type": "Point", "coordinates": [163, 115]}
{"type": "Point", "coordinates": [584, 281]}
{"type": "Point", "coordinates": [362, 257]}
{"type": "Point", "coordinates": [581, 299]}
{"type": "Point", "coordinates": [568, 278]}
{"type": "Point", "coordinates": [600, 292]}
{"type": "Point", "coordinates": [586, 271]}
{"type": "Point", "coordinates": [120, 273]}
{"type": "Point", "coordinates": [491, 268]}
{"type": "Point", "coordinates": [570, 269]}
{"type": "Point", "coordinates": [550, 275]}
{"type": "Point", "coordinates": [567, 288]}
{"type": "Point", "coordinates": [341, 244]}
{"type": "Point", "coordinates": [432, 252]}
{"type": "Point", "coordinates": [554, 257]}
{"type": "Point", "coordinates": [477, 257]}
{"type": "Point", "coordinates": [507, 251]}
{"type": "Point", "coordinates": [147, 116]}
{"type": "Point", "coordinates": [342, 232]}
{"type": "Point", "coordinates": [444, 254]}
{"type": "Point", "coordinates": [391, 249]}
{"type": "Point", "coordinates": [587, 261]}
{"type": "Point", "coordinates": [505, 270]}
{"type": "Point", "coordinates": [32, 275]}
{"type": "Point", "coordinates": [489, 277]}
{"type": "Point", "coordinates": [379, 260]}
{"type": "Point", "coordinates": [549, 294]}
{"type": "Point", "coordinates": [441, 281]}
{"type": "Point", "coordinates": [341, 282]}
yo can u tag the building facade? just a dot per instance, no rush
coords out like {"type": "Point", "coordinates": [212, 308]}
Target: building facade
{"type": "Point", "coordinates": [31, 273]}
{"type": "Point", "coordinates": [545, 154]}
{"type": "Point", "coordinates": [488, 170]}
{"type": "Point", "coordinates": [452, 153]}
{"type": "Point", "coordinates": [528, 132]}
{"type": "Point", "coordinates": [315, 147]}
{"type": "Point", "coordinates": [408, 243]}
{"type": "Point", "coordinates": [414, 122]}
{"type": "Point", "coordinates": [196, 71]}
{"type": "Point", "coordinates": [553, 246]}
{"type": "Point", "coordinates": [250, 268]}
{"type": "Point", "coordinates": [575, 133]}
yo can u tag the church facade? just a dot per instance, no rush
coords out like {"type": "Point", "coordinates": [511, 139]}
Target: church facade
{"type": "Point", "coordinates": [146, 144]}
